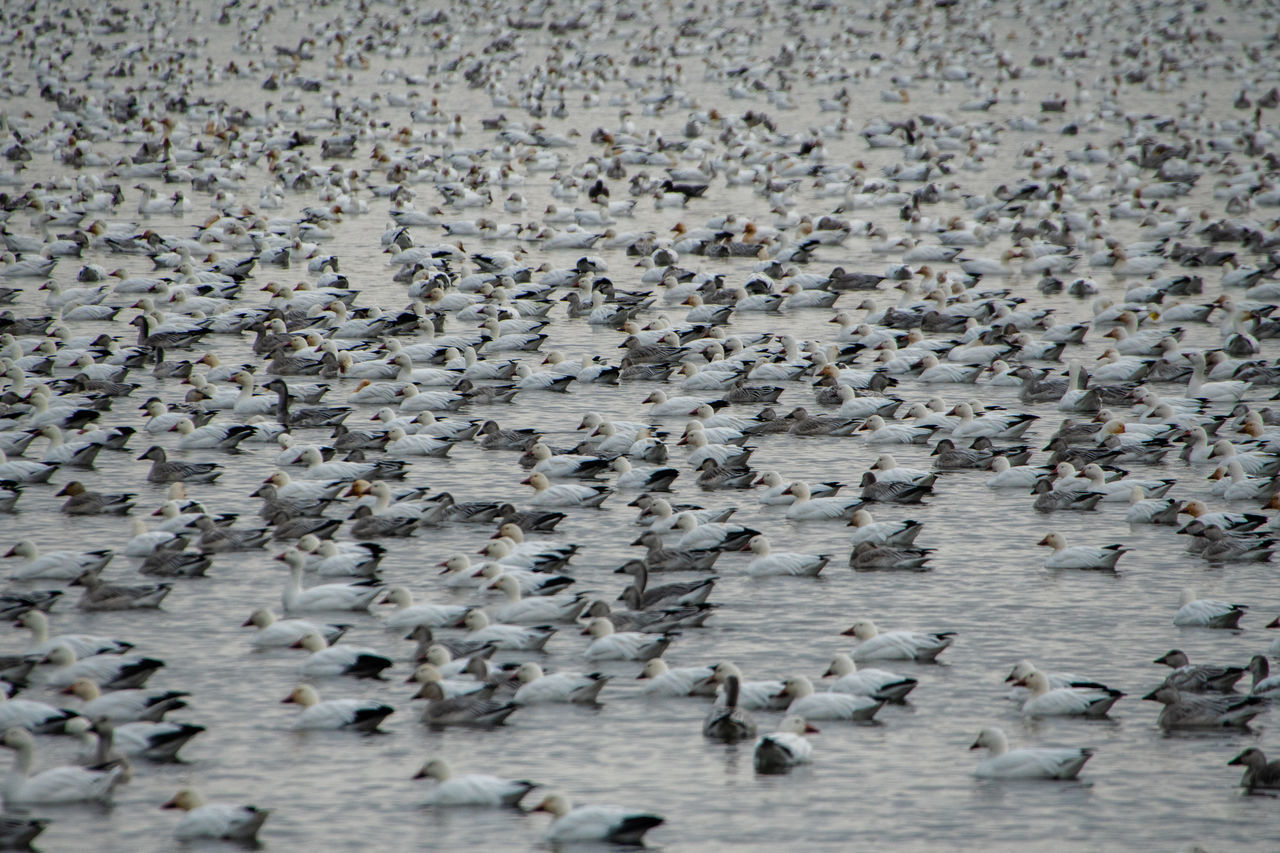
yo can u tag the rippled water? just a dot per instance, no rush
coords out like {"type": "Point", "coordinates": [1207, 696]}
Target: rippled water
{"type": "Point", "coordinates": [902, 783]}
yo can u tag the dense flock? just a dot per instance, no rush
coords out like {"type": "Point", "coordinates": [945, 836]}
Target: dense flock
{"type": "Point", "coordinates": [676, 419]}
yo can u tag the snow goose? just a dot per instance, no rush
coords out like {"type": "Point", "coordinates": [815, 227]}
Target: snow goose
{"type": "Point", "coordinates": [806, 508]}
{"type": "Point", "coordinates": [1117, 491]}
{"type": "Point", "coordinates": [215, 820]}
{"type": "Point", "coordinates": [326, 660]}
{"type": "Point", "coordinates": [428, 673]}
{"type": "Point", "coordinates": [779, 751]}
{"type": "Point", "coordinates": [1207, 613]}
{"type": "Point", "coordinates": [564, 494]}
{"type": "Point", "coordinates": [752, 695]}
{"type": "Point", "coordinates": [1008, 476]}
{"type": "Point", "coordinates": [768, 563]}
{"type": "Point", "coordinates": [1144, 510]}
{"type": "Point", "coordinates": [897, 645]}
{"type": "Point", "coordinates": [358, 714]}
{"type": "Point", "coordinates": [827, 706]}
{"type": "Point", "coordinates": [565, 465]}
{"type": "Point", "coordinates": [331, 596]}
{"type": "Point", "coordinates": [67, 784]}
{"type": "Point", "coordinates": [1023, 668]}
{"type": "Point", "coordinates": [55, 565]}
{"type": "Point", "coordinates": [898, 533]}
{"type": "Point", "coordinates": [608, 644]}
{"type": "Point", "coordinates": [113, 672]}
{"type": "Point", "coordinates": [650, 480]}
{"type": "Point", "coordinates": [778, 492]}
{"type": "Point", "coordinates": [1047, 701]}
{"type": "Point", "coordinates": [1225, 391]}
{"type": "Point", "coordinates": [30, 714]}
{"type": "Point", "coordinates": [877, 683]}
{"type": "Point", "coordinates": [1212, 711]}
{"type": "Point", "coordinates": [664, 405]}
{"type": "Point", "coordinates": [534, 611]}
{"type": "Point", "coordinates": [124, 706]}
{"type": "Point", "coordinates": [1079, 556]}
{"type": "Point", "coordinates": [1027, 762]}
{"type": "Point", "coordinates": [710, 535]}
{"type": "Point", "coordinates": [410, 615]}
{"type": "Point", "coordinates": [595, 823]}
{"type": "Point", "coordinates": [280, 633]}
{"type": "Point", "coordinates": [83, 645]}
{"type": "Point", "coordinates": [1200, 677]}
{"type": "Point", "coordinates": [679, 681]}
{"type": "Point", "coordinates": [531, 582]}
{"type": "Point", "coordinates": [1258, 772]}
{"type": "Point", "coordinates": [512, 637]}
{"type": "Point", "coordinates": [535, 687]}
{"type": "Point", "coordinates": [471, 789]}
{"type": "Point", "coordinates": [727, 721]}
{"type": "Point", "coordinates": [879, 432]}
{"type": "Point", "coordinates": [1236, 485]}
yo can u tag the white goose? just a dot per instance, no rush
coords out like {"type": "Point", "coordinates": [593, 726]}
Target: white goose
{"type": "Point", "coordinates": [471, 789]}
{"type": "Point", "coordinates": [331, 596]}
{"type": "Point", "coordinates": [1027, 762]}
{"type": "Point", "coordinates": [608, 644]}
{"type": "Point", "coordinates": [1207, 612]}
{"type": "Point", "coordinates": [358, 714]}
{"type": "Point", "coordinates": [124, 706]}
{"type": "Point", "coordinates": [879, 683]}
{"type": "Point", "coordinates": [595, 823]}
{"type": "Point", "coordinates": [1047, 701]}
{"type": "Point", "coordinates": [806, 508]}
{"type": "Point", "coordinates": [83, 645]}
{"type": "Point", "coordinates": [67, 784]}
{"type": "Point", "coordinates": [534, 611]}
{"type": "Point", "coordinates": [897, 645]}
{"type": "Point", "coordinates": [281, 633]}
{"type": "Point", "coordinates": [779, 751]}
{"type": "Point", "coordinates": [512, 637]}
{"type": "Point", "coordinates": [768, 563]}
{"type": "Point", "coordinates": [410, 615]}
{"type": "Point", "coordinates": [1079, 556]}
{"type": "Point", "coordinates": [564, 494]}
{"type": "Point", "coordinates": [55, 565]}
{"type": "Point", "coordinates": [215, 820]}
{"type": "Point", "coordinates": [536, 687]}
{"type": "Point", "coordinates": [679, 681]}
{"type": "Point", "coordinates": [326, 660]}
{"type": "Point", "coordinates": [826, 706]}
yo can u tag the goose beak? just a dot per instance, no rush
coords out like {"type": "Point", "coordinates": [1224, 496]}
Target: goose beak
{"type": "Point", "coordinates": [847, 633]}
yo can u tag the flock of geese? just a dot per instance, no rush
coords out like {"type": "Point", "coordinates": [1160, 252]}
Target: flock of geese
{"type": "Point", "coordinates": [291, 269]}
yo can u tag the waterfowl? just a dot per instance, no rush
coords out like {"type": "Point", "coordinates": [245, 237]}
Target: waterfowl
{"type": "Point", "coordinates": [1047, 701]}
{"type": "Point", "coordinates": [215, 820]}
{"type": "Point", "coordinates": [1198, 678]}
{"type": "Point", "coordinates": [1259, 774]}
{"type": "Point", "coordinates": [827, 706]}
{"type": "Point", "coordinates": [875, 683]}
{"type": "Point", "coordinates": [357, 714]}
{"type": "Point", "coordinates": [471, 789]}
{"type": "Point", "coordinates": [769, 563]}
{"type": "Point", "coordinates": [1210, 711]}
{"type": "Point", "coordinates": [897, 645]}
{"type": "Point", "coordinates": [595, 822]}
{"type": "Point", "coordinates": [67, 784]}
{"type": "Point", "coordinates": [664, 680]}
{"type": "Point", "coordinates": [124, 706]}
{"type": "Point", "coordinates": [326, 660]}
{"type": "Point", "coordinates": [536, 687]}
{"type": "Point", "coordinates": [726, 721]}
{"type": "Point", "coordinates": [1080, 556]}
{"type": "Point", "coordinates": [1026, 762]}
{"type": "Point", "coordinates": [333, 596]}
{"type": "Point", "coordinates": [779, 751]}
{"type": "Point", "coordinates": [1207, 613]}
{"type": "Point", "coordinates": [55, 565]}
{"type": "Point", "coordinates": [608, 644]}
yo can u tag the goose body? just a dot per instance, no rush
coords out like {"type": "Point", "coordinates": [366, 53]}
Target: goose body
{"type": "Point", "coordinates": [1027, 762]}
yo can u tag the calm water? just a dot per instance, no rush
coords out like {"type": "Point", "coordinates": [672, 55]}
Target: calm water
{"type": "Point", "coordinates": [903, 783]}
